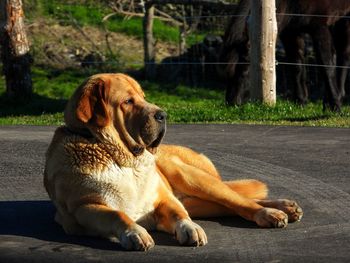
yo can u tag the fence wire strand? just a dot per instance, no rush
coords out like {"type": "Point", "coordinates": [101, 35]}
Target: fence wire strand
{"type": "Point", "coordinates": [277, 14]}
{"type": "Point", "coordinates": [216, 63]}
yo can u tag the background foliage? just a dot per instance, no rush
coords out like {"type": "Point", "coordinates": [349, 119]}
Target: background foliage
{"type": "Point", "coordinates": [67, 34]}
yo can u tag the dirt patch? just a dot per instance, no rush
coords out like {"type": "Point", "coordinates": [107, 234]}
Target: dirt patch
{"type": "Point", "coordinates": [65, 46]}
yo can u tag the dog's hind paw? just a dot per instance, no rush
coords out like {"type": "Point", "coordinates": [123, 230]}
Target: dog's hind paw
{"type": "Point", "coordinates": [190, 234]}
{"type": "Point", "coordinates": [136, 238]}
{"type": "Point", "coordinates": [271, 217]}
{"type": "Point", "coordinates": [291, 208]}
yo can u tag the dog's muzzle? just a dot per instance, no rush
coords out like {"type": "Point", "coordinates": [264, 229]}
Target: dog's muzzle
{"type": "Point", "coordinates": [160, 116]}
{"type": "Point", "coordinates": [159, 130]}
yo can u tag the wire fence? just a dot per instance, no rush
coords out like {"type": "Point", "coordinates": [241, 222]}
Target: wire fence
{"type": "Point", "coordinates": [82, 38]}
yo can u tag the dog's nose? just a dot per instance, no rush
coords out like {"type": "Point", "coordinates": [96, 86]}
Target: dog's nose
{"type": "Point", "coordinates": [160, 116]}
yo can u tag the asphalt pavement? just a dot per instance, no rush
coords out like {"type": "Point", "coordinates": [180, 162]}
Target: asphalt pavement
{"type": "Point", "coordinates": [310, 165]}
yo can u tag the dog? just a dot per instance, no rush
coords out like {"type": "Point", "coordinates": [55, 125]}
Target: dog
{"type": "Point", "coordinates": [108, 174]}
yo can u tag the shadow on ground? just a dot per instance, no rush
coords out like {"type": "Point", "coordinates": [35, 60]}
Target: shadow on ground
{"type": "Point", "coordinates": [304, 119]}
{"type": "Point", "coordinates": [36, 105]}
{"type": "Point", "coordinates": [35, 219]}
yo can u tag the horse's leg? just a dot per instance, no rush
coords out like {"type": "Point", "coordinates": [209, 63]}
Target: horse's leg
{"type": "Point", "coordinates": [325, 52]}
{"type": "Point", "coordinates": [294, 46]}
{"type": "Point", "coordinates": [235, 52]}
{"type": "Point", "coordinates": [237, 81]}
{"type": "Point", "coordinates": [341, 36]}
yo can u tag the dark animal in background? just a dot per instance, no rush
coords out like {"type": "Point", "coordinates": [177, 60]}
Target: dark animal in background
{"type": "Point", "coordinates": [294, 18]}
{"type": "Point", "coordinates": [341, 36]}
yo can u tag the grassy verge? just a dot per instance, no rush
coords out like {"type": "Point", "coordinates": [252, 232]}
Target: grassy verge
{"type": "Point", "coordinates": [206, 106]}
{"type": "Point", "coordinates": [183, 105]}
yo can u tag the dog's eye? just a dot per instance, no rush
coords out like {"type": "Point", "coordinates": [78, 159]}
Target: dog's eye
{"type": "Point", "coordinates": [129, 101]}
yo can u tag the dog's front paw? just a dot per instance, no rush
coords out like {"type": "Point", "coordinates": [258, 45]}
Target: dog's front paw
{"type": "Point", "coordinates": [190, 234]}
{"type": "Point", "coordinates": [136, 238]}
{"type": "Point", "coordinates": [271, 217]}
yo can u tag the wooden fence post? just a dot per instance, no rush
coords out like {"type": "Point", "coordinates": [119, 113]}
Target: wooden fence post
{"type": "Point", "coordinates": [148, 42]}
{"type": "Point", "coordinates": [15, 49]}
{"type": "Point", "coordinates": [263, 34]}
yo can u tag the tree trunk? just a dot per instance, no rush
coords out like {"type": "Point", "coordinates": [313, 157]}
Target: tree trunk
{"type": "Point", "coordinates": [263, 33]}
{"type": "Point", "coordinates": [148, 42]}
{"type": "Point", "coordinates": [15, 50]}
{"type": "Point", "coordinates": [182, 32]}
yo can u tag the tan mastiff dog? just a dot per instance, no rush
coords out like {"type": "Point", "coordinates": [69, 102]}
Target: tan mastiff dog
{"type": "Point", "coordinates": [108, 175]}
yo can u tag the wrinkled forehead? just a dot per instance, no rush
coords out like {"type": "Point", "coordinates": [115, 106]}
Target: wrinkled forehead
{"type": "Point", "coordinates": [121, 84]}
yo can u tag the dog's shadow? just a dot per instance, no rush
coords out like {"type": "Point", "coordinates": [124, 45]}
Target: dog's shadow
{"type": "Point", "coordinates": [35, 219]}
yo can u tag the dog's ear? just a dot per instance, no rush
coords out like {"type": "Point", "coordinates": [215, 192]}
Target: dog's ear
{"type": "Point", "coordinates": [92, 103]}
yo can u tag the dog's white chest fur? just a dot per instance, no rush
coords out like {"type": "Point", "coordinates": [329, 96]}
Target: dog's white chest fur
{"type": "Point", "coordinates": [132, 190]}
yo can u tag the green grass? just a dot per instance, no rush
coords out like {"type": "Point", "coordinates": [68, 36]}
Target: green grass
{"type": "Point", "coordinates": [133, 27]}
{"type": "Point", "coordinates": [57, 84]}
{"type": "Point", "coordinates": [183, 105]}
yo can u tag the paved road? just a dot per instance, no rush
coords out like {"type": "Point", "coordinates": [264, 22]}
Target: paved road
{"type": "Point", "coordinates": [311, 165]}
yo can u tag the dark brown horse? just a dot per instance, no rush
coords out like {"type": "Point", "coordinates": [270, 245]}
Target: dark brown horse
{"type": "Point", "coordinates": [294, 18]}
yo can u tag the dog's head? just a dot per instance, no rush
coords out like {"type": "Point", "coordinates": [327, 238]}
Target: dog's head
{"type": "Point", "coordinates": [112, 107]}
